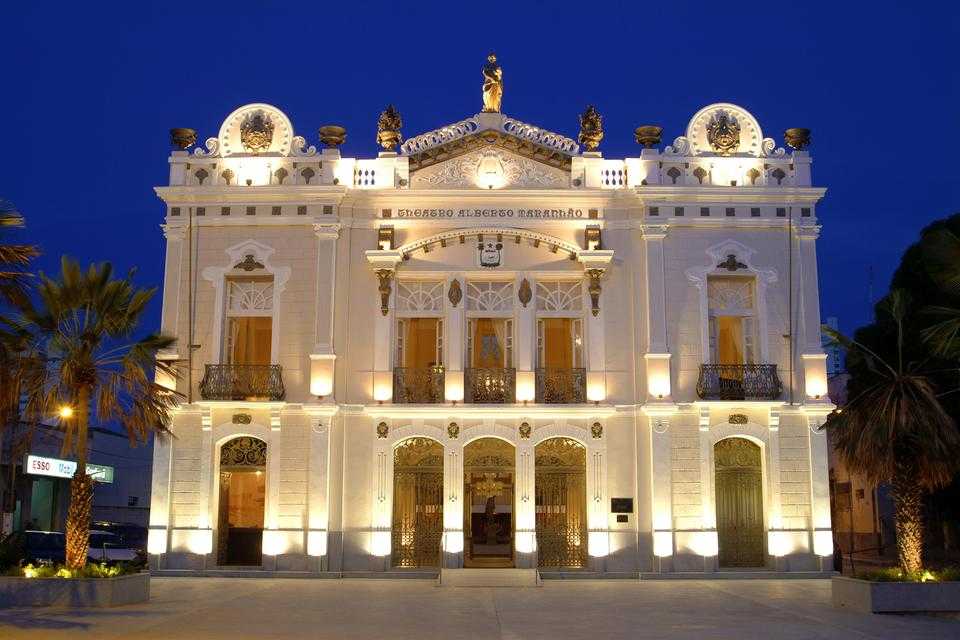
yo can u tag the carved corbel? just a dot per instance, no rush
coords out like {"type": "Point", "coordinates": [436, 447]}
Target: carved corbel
{"type": "Point", "coordinates": [594, 276]}
{"type": "Point", "coordinates": [384, 276]}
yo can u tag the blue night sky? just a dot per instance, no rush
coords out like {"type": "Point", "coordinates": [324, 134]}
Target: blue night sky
{"type": "Point", "coordinates": [91, 90]}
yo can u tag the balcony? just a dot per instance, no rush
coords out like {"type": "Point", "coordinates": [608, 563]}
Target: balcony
{"type": "Point", "coordinates": [418, 385]}
{"type": "Point", "coordinates": [244, 382]}
{"type": "Point", "coordinates": [739, 382]}
{"type": "Point", "coordinates": [561, 386]}
{"type": "Point", "coordinates": [489, 385]}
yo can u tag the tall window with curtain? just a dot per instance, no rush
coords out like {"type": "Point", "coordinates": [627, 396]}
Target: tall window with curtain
{"type": "Point", "coordinates": [248, 334]}
{"type": "Point", "coordinates": [732, 319]}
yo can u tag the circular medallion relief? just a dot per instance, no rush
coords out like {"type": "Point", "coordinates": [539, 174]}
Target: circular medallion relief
{"type": "Point", "coordinates": [724, 129]}
{"type": "Point", "coordinates": [256, 129]}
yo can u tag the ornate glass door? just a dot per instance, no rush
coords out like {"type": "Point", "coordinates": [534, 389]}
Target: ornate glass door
{"type": "Point", "coordinates": [561, 501]}
{"type": "Point", "coordinates": [488, 468]}
{"type": "Point", "coordinates": [243, 462]}
{"type": "Point", "coordinates": [417, 503]}
{"type": "Point", "coordinates": [739, 498]}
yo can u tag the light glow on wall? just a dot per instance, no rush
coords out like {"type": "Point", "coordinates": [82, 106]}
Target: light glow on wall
{"type": "Point", "coordinates": [157, 541]}
{"type": "Point", "coordinates": [453, 387]}
{"type": "Point", "coordinates": [453, 541]}
{"type": "Point", "coordinates": [274, 543]}
{"type": "Point", "coordinates": [200, 541]}
{"type": "Point", "coordinates": [599, 544]}
{"type": "Point", "coordinates": [321, 385]}
{"type": "Point", "coordinates": [380, 543]}
{"type": "Point", "coordinates": [659, 386]}
{"type": "Point", "coordinates": [823, 543]}
{"type": "Point", "coordinates": [526, 541]}
{"type": "Point", "coordinates": [317, 543]}
{"type": "Point", "coordinates": [778, 543]}
{"type": "Point", "coordinates": [705, 543]}
{"type": "Point", "coordinates": [816, 386]}
{"type": "Point", "coordinates": [526, 388]}
{"type": "Point", "coordinates": [490, 173]}
{"type": "Point", "coordinates": [596, 392]}
{"type": "Point", "coordinates": [382, 392]}
{"type": "Point", "coordinates": [662, 543]}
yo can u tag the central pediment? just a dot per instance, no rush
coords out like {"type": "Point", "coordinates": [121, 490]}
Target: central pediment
{"type": "Point", "coordinates": [489, 150]}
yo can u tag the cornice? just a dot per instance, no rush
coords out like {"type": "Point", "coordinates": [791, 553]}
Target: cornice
{"type": "Point", "coordinates": [660, 193]}
{"type": "Point", "coordinates": [320, 194]}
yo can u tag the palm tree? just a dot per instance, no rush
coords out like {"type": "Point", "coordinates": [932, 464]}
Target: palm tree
{"type": "Point", "coordinates": [81, 331]}
{"type": "Point", "coordinates": [894, 428]}
{"type": "Point", "coordinates": [13, 257]}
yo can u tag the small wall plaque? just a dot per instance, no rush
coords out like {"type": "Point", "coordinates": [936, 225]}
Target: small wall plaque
{"type": "Point", "coordinates": [623, 518]}
{"type": "Point", "coordinates": [621, 505]}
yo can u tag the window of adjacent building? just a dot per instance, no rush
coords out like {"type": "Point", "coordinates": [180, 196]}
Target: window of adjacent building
{"type": "Point", "coordinates": [560, 307]}
{"type": "Point", "coordinates": [248, 335]}
{"type": "Point", "coordinates": [732, 319]}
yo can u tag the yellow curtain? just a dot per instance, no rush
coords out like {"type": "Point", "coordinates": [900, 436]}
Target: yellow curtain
{"type": "Point", "coordinates": [729, 340]}
{"type": "Point", "coordinates": [489, 331]}
{"type": "Point", "coordinates": [421, 343]}
{"type": "Point", "coordinates": [250, 340]}
{"type": "Point", "coordinates": [557, 343]}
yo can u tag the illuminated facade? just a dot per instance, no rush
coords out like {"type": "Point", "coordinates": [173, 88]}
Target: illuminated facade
{"type": "Point", "coordinates": [492, 346]}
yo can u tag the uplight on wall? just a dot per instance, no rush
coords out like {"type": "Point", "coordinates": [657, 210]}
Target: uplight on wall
{"type": "Point", "coordinates": [317, 543]}
{"type": "Point", "coordinates": [816, 387]}
{"type": "Point", "coordinates": [526, 541]}
{"type": "Point", "coordinates": [200, 541]}
{"type": "Point", "coordinates": [274, 543]}
{"type": "Point", "coordinates": [659, 386]}
{"type": "Point", "coordinates": [599, 544]}
{"type": "Point", "coordinates": [705, 543]}
{"type": "Point", "coordinates": [662, 543]}
{"type": "Point", "coordinates": [380, 543]}
{"type": "Point", "coordinates": [526, 387]}
{"type": "Point", "coordinates": [596, 392]}
{"type": "Point", "coordinates": [382, 392]}
{"type": "Point", "coordinates": [157, 541]}
{"type": "Point", "coordinates": [453, 386]}
{"type": "Point", "coordinates": [321, 386]}
{"type": "Point", "coordinates": [778, 544]}
{"type": "Point", "coordinates": [453, 541]}
{"type": "Point", "coordinates": [823, 543]}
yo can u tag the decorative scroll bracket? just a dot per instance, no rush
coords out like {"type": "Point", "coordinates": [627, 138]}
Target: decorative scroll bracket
{"type": "Point", "coordinates": [384, 264]}
{"type": "Point", "coordinates": [595, 263]}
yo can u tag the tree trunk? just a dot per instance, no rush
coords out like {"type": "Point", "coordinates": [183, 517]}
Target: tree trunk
{"type": "Point", "coordinates": [908, 516]}
{"type": "Point", "coordinates": [81, 491]}
{"type": "Point", "coordinates": [78, 519]}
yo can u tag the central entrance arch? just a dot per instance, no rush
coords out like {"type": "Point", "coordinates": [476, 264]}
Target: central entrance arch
{"type": "Point", "coordinates": [489, 515]}
{"type": "Point", "coordinates": [243, 463]}
{"type": "Point", "coordinates": [739, 500]}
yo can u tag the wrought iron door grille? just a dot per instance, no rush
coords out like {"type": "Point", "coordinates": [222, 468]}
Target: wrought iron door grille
{"type": "Point", "coordinates": [739, 382]}
{"type": "Point", "coordinates": [418, 385]}
{"type": "Point", "coordinates": [561, 503]}
{"type": "Point", "coordinates": [417, 503]}
{"type": "Point", "coordinates": [561, 386]}
{"type": "Point", "coordinates": [242, 382]}
{"type": "Point", "coordinates": [490, 385]}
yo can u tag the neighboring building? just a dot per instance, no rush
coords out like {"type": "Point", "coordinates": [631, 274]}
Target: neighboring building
{"type": "Point", "coordinates": [41, 478]}
{"type": "Point", "coordinates": [493, 348]}
{"type": "Point", "coordinates": [835, 361]}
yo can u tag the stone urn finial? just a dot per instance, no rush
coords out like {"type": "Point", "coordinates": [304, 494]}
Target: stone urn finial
{"type": "Point", "coordinates": [648, 136]}
{"type": "Point", "coordinates": [183, 138]}
{"type": "Point", "coordinates": [332, 135]}
{"type": "Point", "coordinates": [591, 128]}
{"type": "Point", "coordinates": [797, 137]}
{"type": "Point", "coordinates": [388, 128]}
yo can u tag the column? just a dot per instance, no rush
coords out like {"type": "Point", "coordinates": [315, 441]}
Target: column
{"type": "Point", "coordinates": [158, 537]}
{"type": "Point", "coordinates": [205, 510]}
{"type": "Point", "coordinates": [384, 265]}
{"type": "Point", "coordinates": [453, 338]}
{"type": "Point", "coordinates": [524, 348]}
{"type": "Point", "coordinates": [453, 499]}
{"type": "Point", "coordinates": [659, 378]}
{"type": "Point", "coordinates": [317, 495]}
{"type": "Point", "coordinates": [595, 264]}
{"type": "Point", "coordinates": [323, 358]}
{"type": "Point", "coordinates": [660, 467]}
{"type": "Point", "coordinates": [821, 527]}
{"type": "Point", "coordinates": [526, 526]}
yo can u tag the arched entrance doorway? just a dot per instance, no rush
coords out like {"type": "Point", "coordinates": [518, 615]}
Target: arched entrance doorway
{"type": "Point", "coordinates": [243, 464]}
{"type": "Point", "coordinates": [417, 503]}
{"type": "Point", "coordinates": [560, 481]}
{"type": "Point", "coordinates": [739, 500]}
{"type": "Point", "coordinates": [489, 521]}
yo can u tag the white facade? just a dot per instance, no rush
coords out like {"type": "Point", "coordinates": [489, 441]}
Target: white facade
{"type": "Point", "coordinates": [496, 220]}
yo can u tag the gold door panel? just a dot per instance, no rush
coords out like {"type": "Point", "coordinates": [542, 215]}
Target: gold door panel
{"type": "Point", "coordinates": [561, 501]}
{"type": "Point", "coordinates": [739, 498]}
{"type": "Point", "coordinates": [417, 503]}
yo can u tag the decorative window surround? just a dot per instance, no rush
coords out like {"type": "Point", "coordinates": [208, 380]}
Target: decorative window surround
{"type": "Point", "coordinates": [217, 276]}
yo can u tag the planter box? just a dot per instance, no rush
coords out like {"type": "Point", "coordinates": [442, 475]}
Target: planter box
{"type": "Point", "coordinates": [80, 592]}
{"type": "Point", "coordinates": [894, 597]}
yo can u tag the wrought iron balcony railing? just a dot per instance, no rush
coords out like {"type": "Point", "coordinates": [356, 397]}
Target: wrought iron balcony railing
{"type": "Point", "coordinates": [561, 386]}
{"type": "Point", "coordinates": [261, 382]}
{"type": "Point", "coordinates": [489, 385]}
{"type": "Point", "coordinates": [418, 385]}
{"type": "Point", "coordinates": [739, 382]}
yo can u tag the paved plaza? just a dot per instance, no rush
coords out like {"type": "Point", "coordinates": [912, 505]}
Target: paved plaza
{"type": "Point", "coordinates": [236, 608]}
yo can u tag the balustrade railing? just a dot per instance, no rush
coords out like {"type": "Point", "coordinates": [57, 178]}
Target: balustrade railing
{"type": "Point", "coordinates": [490, 385]}
{"type": "Point", "coordinates": [418, 385]}
{"type": "Point", "coordinates": [739, 382]}
{"type": "Point", "coordinates": [561, 386]}
{"type": "Point", "coordinates": [262, 382]}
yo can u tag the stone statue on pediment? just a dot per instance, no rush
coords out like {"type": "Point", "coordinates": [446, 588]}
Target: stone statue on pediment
{"type": "Point", "coordinates": [492, 85]}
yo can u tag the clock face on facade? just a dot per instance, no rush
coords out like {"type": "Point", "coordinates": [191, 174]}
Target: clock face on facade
{"type": "Point", "coordinates": [490, 253]}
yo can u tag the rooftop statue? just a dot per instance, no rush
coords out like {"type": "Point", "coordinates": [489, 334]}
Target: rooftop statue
{"type": "Point", "coordinates": [591, 128]}
{"type": "Point", "coordinates": [388, 128]}
{"type": "Point", "coordinates": [492, 85]}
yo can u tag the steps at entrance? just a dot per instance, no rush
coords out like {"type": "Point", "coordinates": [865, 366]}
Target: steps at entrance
{"type": "Point", "coordinates": [489, 578]}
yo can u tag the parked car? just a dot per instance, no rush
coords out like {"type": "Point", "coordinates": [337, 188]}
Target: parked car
{"type": "Point", "coordinates": [134, 536]}
{"type": "Point", "coordinates": [33, 547]}
{"type": "Point", "coordinates": [110, 548]}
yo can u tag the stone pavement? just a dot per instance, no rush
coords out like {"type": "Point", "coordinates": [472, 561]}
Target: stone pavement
{"type": "Point", "coordinates": [236, 608]}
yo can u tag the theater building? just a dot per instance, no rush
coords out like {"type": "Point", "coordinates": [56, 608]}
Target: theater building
{"type": "Point", "coordinates": [492, 346]}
